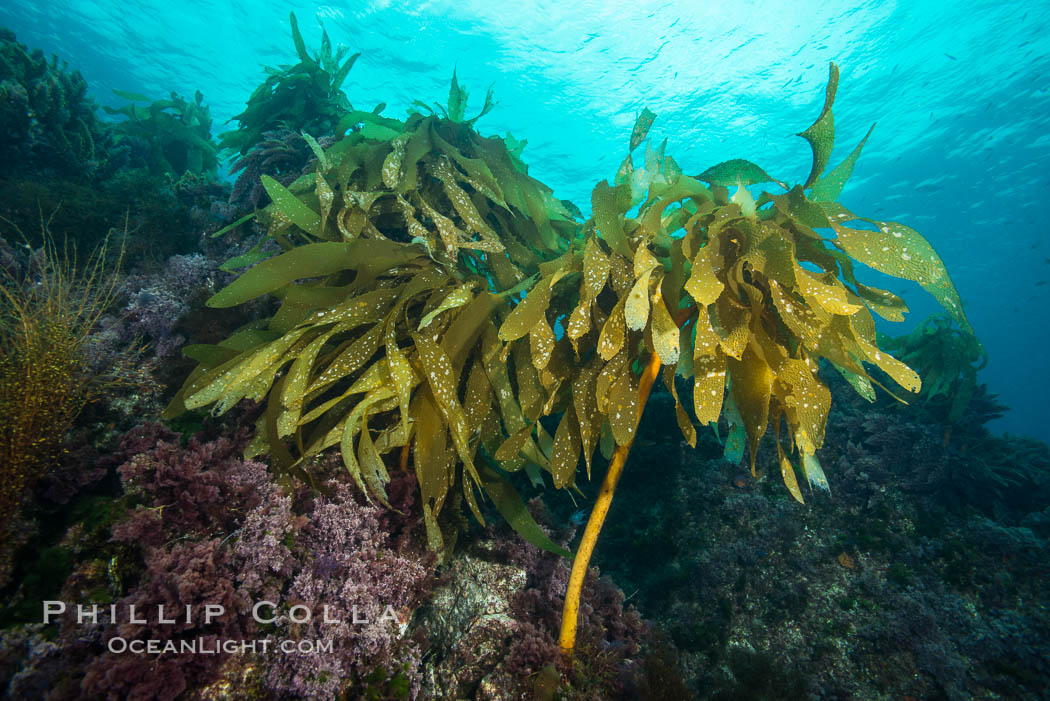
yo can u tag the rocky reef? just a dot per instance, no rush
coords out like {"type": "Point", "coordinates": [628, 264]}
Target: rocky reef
{"type": "Point", "coordinates": [919, 575]}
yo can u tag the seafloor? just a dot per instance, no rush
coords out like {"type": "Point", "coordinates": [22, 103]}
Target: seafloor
{"type": "Point", "coordinates": [921, 575]}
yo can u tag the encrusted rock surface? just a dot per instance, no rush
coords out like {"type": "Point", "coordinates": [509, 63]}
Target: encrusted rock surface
{"type": "Point", "coordinates": [469, 623]}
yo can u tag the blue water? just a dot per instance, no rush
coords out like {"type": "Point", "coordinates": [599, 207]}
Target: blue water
{"type": "Point", "coordinates": [961, 151]}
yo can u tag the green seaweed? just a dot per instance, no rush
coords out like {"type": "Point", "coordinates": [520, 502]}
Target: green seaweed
{"type": "Point", "coordinates": [946, 358]}
{"type": "Point", "coordinates": [177, 131]}
{"type": "Point", "coordinates": [41, 579]}
{"type": "Point", "coordinates": [307, 96]}
{"type": "Point", "coordinates": [455, 110]}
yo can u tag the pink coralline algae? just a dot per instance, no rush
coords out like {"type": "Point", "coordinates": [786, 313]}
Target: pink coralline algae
{"type": "Point", "coordinates": [216, 529]}
{"type": "Point", "coordinates": [157, 302]}
{"type": "Point", "coordinates": [345, 563]}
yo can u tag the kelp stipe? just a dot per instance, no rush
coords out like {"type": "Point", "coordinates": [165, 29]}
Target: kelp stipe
{"type": "Point", "coordinates": [743, 295]}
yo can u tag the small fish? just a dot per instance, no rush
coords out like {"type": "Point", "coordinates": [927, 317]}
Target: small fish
{"type": "Point", "coordinates": [951, 57]}
{"type": "Point", "coordinates": [1040, 283]}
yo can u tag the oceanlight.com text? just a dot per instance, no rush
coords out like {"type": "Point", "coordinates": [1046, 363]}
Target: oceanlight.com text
{"type": "Point", "coordinates": [213, 646]}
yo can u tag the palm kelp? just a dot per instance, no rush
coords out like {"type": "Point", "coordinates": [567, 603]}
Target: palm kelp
{"type": "Point", "coordinates": [402, 336]}
{"type": "Point", "coordinates": [305, 97]}
{"type": "Point", "coordinates": [402, 306]}
{"type": "Point", "coordinates": [946, 358]}
{"type": "Point", "coordinates": [175, 133]}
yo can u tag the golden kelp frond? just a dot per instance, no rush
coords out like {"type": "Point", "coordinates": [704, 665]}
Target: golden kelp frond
{"type": "Point", "coordinates": [404, 252]}
{"type": "Point", "coordinates": [821, 134]}
{"type": "Point", "coordinates": [747, 288]}
{"type": "Point", "coordinates": [368, 360]}
{"type": "Point", "coordinates": [425, 180]}
{"type": "Point", "coordinates": [900, 251]}
{"type": "Point", "coordinates": [456, 107]}
{"type": "Point", "coordinates": [437, 303]}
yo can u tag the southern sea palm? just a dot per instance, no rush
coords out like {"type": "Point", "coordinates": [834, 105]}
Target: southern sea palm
{"type": "Point", "coordinates": [403, 337]}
